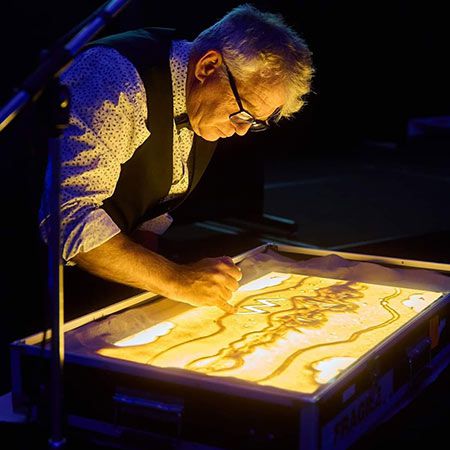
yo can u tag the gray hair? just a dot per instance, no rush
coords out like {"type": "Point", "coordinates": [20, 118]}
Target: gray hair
{"type": "Point", "coordinates": [260, 47]}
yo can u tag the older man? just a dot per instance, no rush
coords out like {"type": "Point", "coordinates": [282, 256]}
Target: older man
{"type": "Point", "coordinates": [147, 109]}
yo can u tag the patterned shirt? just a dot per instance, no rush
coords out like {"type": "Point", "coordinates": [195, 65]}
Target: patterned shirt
{"type": "Point", "coordinates": [108, 122]}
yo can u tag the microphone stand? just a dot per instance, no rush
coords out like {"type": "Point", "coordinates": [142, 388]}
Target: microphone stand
{"type": "Point", "coordinates": [45, 78]}
{"type": "Point", "coordinates": [59, 96]}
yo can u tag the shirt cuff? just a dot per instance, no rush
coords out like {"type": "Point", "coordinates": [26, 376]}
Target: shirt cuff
{"type": "Point", "coordinates": [158, 225]}
{"type": "Point", "coordinates": [95, 229]}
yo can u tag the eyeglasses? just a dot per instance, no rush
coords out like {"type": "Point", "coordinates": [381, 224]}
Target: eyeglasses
{"type": "Point", "coordinates": [243, 117]}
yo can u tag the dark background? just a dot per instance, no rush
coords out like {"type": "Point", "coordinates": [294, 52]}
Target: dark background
{"type": "Point", "coordinates": [379, 65]}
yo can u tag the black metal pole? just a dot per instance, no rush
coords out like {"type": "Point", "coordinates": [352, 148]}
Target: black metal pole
{"type": "Point", "coordinates": [60, 99]}
{"type": "Point", "coordinates": [56, 286]}
{"type": "Point", "coordinates": [43, 79]}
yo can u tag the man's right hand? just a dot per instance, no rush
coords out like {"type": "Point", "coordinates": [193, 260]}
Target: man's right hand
{"type": "Point", "coordinates": [208, 282]}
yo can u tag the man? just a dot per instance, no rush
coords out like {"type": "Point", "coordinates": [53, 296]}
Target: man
{"type": "Point", "coordinates": [127, 159]}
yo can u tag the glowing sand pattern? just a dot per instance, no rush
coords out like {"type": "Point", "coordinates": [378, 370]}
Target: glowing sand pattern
{"type": "Point", "coordinates": [294, 332]}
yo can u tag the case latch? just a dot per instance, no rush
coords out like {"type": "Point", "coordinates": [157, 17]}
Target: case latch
{"type": "Point", "coordinates": [147, 412]}
{"type": "Point", "coordinates": [418, 358]}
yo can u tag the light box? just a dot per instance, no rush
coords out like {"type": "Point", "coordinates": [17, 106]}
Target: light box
{"type": "Point", "coordinates": [308, 361]}
{"type": "Point", "coordinates": [290, 331]}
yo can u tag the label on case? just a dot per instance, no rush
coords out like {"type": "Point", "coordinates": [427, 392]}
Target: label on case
{"type": "Point", "coordinates": [356, 418]}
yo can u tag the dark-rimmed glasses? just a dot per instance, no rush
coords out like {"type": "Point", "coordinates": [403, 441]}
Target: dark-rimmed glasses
{"type": "Point", "coordinates": [243, 117]}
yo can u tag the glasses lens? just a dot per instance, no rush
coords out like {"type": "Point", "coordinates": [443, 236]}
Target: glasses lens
{"type": "Point", "coordinates": [275, 116]}
{"type": "Point", "coordinates": [245, 118]}
{"type": "Point", "coordinates": [262, 125]}
{"type": "Point", "coordinates": [242, 118]}
{"type": "Point", "coordinates": [258, 125]}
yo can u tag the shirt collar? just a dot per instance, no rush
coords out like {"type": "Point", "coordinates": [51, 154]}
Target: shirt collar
{"type": "Point", "coordinates": [179, 59]}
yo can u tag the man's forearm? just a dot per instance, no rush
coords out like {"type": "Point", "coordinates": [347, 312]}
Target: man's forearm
{"type": "Point", "coordinates": [122, 260]}
{"type": "Point", "coordinates": [208, 282]}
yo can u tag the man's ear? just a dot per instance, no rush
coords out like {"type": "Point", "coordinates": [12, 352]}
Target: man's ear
{"type": "Point", "coordinates": [209, 63]}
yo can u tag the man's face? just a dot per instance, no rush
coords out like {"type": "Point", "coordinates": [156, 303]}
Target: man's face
{"type": "Point", "coordinates": [210, 100]}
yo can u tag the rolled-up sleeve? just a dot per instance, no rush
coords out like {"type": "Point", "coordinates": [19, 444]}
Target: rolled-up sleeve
{"type": "Point", "coordinates": [107, 124]}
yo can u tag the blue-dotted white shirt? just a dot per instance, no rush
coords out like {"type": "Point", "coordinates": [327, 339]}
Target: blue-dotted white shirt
{"type": "Point", "coordinates": [108, 122]}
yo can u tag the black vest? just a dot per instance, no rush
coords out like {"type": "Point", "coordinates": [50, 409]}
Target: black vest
{"type": "Point", "coordinates": [146, 177]}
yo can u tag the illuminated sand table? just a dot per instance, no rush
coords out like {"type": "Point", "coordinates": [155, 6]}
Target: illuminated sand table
{"type": "Point", "coordinates": [294, 332]}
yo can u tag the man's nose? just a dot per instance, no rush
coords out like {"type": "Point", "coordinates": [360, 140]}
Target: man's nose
{"type": "Point", "coordinates": [242, 128]}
